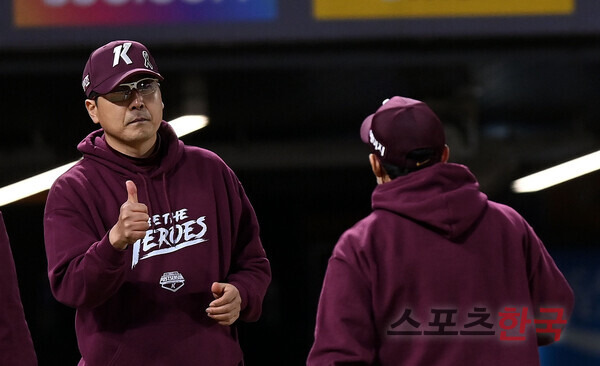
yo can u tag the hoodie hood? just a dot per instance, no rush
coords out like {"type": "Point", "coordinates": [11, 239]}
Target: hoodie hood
{"type": "Point", "coordinates": [445, 197]}
{"type": "Point", "coordinates": [94, 147]}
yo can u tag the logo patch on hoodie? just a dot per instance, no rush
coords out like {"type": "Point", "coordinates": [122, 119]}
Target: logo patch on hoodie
{"type": "Point", "coordinates": [169, 233]}
{"type": "Point", "coordinates": [172, 281]}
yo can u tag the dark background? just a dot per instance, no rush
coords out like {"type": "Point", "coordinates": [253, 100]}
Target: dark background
{"type": "Point", "coordinates": [285, 115]}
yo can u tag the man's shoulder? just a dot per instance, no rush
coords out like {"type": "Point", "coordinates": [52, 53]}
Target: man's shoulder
{"type": "Point", "coordinates": [202, 154]}
{"type": "Point", "coordinates": [75, 173]}
{"type": "Point", "coordinates": [72, 187]}
{"type": "Point", "coordinates": [359, 233]}
{"type": "Point", "coordinates": [504, 210]}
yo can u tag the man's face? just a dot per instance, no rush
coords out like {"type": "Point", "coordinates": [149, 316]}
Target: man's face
{"type": "Point", "coordinates": [129, 125]}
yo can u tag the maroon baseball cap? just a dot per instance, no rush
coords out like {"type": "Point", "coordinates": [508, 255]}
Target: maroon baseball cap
{"type": "Point", "coordinates": [400, 127]}
{"type": "Point", "coordinates": [110, 64]}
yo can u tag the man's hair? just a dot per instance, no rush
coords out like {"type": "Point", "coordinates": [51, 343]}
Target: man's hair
{"type": "Point", "coordinates": [424, 158]}
{"type": "Point", "coordinates": [94, 96]}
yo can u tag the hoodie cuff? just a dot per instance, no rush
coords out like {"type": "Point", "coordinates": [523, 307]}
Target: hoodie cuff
{"type": "Point", "coordinates": [108, 253]}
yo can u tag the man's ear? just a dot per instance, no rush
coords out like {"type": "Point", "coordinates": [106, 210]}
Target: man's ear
{"type": "Point", "coordinates": [92, 109]}
{"type": "Point", "coordinates": [376, 166]}
{"type": "Point", "coordinates": [380, 174]}
{"type": "Point", "coordinates": [445, 154]}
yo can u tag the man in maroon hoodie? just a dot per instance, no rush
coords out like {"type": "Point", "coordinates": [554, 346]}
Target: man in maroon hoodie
{"type": "Point", "coordinates": [437, 274]}
{"type": "Point", "coordinates": [152, 241]}
{"type": "Point", "coordinates": [16, 346]}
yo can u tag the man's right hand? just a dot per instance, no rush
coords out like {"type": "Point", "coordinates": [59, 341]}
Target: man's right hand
{"type": "Point", "coordinates": [133, 220]}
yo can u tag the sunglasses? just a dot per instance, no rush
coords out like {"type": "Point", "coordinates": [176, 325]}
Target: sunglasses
{"type": "Point", "coordinates": [124, 91]}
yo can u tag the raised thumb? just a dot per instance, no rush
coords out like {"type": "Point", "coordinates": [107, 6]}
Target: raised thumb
{"type": "Point", "coordinates": [131, 192]}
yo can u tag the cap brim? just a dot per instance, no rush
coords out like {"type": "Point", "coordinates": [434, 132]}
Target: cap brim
{"type": "Point", "coordinates": [365, 128]}
{"type": "Point", "coordinates": [109, 84]}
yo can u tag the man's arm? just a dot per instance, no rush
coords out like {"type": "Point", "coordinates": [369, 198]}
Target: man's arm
{"type": "Point", "coordinates": [84, 268]}
{"type": "Point", "coordinates": [250, 271]}
{"type": "Point", "coordinates": [344, 333]}
{"type": "Point", "coordinates": [549, 290]}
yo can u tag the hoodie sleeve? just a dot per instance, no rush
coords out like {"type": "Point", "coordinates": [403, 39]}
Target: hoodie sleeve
{"type": "Point", "coordinates": [344, 330]}
{"type": "Point", "coordinates": [549, 290]}
{"type": "Point", "coordinates": [83, 267]}
{"type": "Point", "coordinates": [250, 270]}
{"type": "Point", "coordinates": [16, 346]}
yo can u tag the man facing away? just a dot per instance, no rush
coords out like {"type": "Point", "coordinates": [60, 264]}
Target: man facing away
{"type": "Point", "coordinates": [437, 274]}
{"type": "Point", "coordinates": [153, 242]}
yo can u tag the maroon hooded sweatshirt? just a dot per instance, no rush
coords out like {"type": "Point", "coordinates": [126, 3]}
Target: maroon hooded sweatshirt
{"type": "Point", "coordinates": [429, 277]}
{"type": "Point", "coordinates": [16, 346]}
{"type": "Point", "coordinates": [146, 305]}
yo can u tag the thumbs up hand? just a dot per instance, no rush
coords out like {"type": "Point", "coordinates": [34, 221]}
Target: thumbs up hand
{"type": "Point", "coordinates": [133, 220]}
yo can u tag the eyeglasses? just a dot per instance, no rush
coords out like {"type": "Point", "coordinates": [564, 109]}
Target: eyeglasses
{"type": "Point", "coordinates": [124, 91]}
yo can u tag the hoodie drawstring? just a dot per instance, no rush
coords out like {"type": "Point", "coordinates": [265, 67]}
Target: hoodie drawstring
{"type": "Point", "coordinates": [166, 193]}
{"type": "Point", "coordinates": [149, 201]}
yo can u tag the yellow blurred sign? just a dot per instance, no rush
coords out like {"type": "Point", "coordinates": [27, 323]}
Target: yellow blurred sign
{"type": "Point", "coordinates": [379, 9]}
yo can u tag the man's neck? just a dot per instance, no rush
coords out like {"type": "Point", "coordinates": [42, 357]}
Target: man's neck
{"type": "Point", "coordinates": [139, 151]}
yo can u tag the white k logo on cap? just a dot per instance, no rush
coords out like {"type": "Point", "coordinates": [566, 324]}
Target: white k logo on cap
{"type": "Point", "coordinates": [120, 52]}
